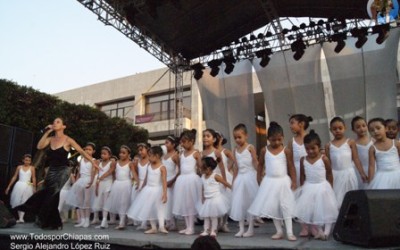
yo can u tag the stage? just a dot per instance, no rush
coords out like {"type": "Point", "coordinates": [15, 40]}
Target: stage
{"type": "Point", "coordinates": [27, 236]}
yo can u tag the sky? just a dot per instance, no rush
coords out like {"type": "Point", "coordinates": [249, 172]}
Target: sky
{"type": "Point", "coordinates": [57, 45]}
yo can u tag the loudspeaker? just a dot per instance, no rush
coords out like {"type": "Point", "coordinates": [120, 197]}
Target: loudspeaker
{"type": "Point", "coordinates": [6, 218]}
{"type": "Point", "coordinates": [369, 218]}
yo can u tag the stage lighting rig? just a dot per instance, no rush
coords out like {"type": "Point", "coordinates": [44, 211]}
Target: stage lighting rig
{"type": "Point", "coordinates": [214, 65]}
{"type": "Point", "coordinates": [198, 70]}
{"type": "Point", "coordinates": [264, 55]}
{"type": "Point", "coordinates": [298, 47]}
{"type": "Point", "coordinates": [361, 35]}
{"type": "Point", "coordinates": [339, 38]}
{"type": "Point", "coordinates": [382, 31]}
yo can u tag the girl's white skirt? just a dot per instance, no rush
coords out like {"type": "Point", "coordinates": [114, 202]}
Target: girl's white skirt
{"type": "Point", "coordinates": [216, 206]}
{"type": "Point", "coordinates": [103, 192]}
{"type": "Point", "coordinates": [274, 199]}
{"type": "Point", "coordinates": [20, 193]}
{"type": "Point", "coordinates": [80, 196]}
{"type": "Point", "coordinates": [118, 200]}
{"type": "Point", "coordinates": [386, 180]}
{"type": "Point", "coordinates": [343, 181]}
{"type": "Point", "coordinates": [148, 205]}
{"type": "Point", "coordinates": [187, 193]}
{"type": "Point", "coordinates": [244, 191]}
{"type": "Point", "coordinates": [316, 204]}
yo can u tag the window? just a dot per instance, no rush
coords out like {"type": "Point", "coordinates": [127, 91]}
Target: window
{"type": "Point", "coordinates": [162, 106]}
{"type": "Point", "coordinates": [122, 108]}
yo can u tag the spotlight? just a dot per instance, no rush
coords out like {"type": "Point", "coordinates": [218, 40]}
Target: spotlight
{"type": "Point", "coordinates": [198, 70]}
{"type": "Point", "coordinates": [303, 26]}
{"type": "Point", "coordinates": [214, 65]}
{"type": "Point", "coordinates": [264, 55]}
{"type": "Point", "coordinates": [295, 28]}
{"type": "Point", "coordinates": [229, 61]}
{"type": "Point", "coordinates": [312, 24]}
{"type": "Point", "coordinates": [339, 38]}
{"type": "Point", "coordinates": [382, 31]}
{"type": "Point", "coordinates": [320, 22]}
{"type": "Point", "coordinates": [252, 37]}
{"type": "Point", "coordinates": [361, 34]}
{"type": "Point", "coordinates": [298, 47]}
{"type": "Point", "coordinates": [260, 36]}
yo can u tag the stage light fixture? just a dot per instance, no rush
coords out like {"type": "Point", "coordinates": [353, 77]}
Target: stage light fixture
{"type": "Point", "coordinates": [214, 65]}
{"type": "Point", "coordinates": [264, 55]}
{"type": "Point", "coordinates": [312, 24]}
{"type": "Point", "coordinates": [252, 37]}
{"type": "Point", "coordinates": [295, 28]}
{"type": "Point", "coordinates": [382, 31]}
{"type": "Point", "coordinates": [361, 35]}
{"type": "Point", "coordinates": [339, 38]}
{"type": "Point", "coordinates": [229, 61]}
{"type": "Point", "coordinates": [320, 22]}
{"type": "Point", "coordinates": [198, 70]}
{"type": "Point", "coordinates": [303, 26]}
{"type": "Point", "coordinates": [260, 36]}
{"type": "Point", "coordinates": [298, 47]}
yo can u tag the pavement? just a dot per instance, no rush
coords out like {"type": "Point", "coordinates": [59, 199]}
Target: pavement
{"type": "Point", "coordinates": [130, 238]}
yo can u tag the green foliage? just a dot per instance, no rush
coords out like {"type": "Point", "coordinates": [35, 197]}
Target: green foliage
{"type": "Point", "coordinates": [26, 108]}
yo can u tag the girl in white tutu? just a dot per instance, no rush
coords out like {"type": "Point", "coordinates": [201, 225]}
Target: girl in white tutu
{"type": "Point", "coordinates": [316, 203]}
{"type": "Point", "coordinates": [150, 203]}
{"type": "Point", "coordinates": [385, 153]}
{"type": "Point", "coordinates": [363, 143]}
{"type": "Point", "coordinates": [103, 183]}
{"type": "Point", "coordinates": [118, 200]}
{"type": "Point", "coordinates": [342, 152]}
{"type": "Point", "coordinates": [228, 161]}
{"type": "Point", "coordinates": [299, 123]}
{"type": "Point", "coordinates": [80, 193]}
{"type": "Point", "coordinates": [141, 165]}
{"type": "Point", "coordinates": [25, 186]}
{"type": "Point", "coordinates": [171, 162]}
{"type": "Point", "coordinates": [275, 198]}
{"type": "Point", "coordinates": [214, 203]}
{"type": "Point", "coordinates": [244, 187]}
{"type": "Point", "coordinates": [187, 190]}
{"type": "Point", "coordinates": [209, 150]}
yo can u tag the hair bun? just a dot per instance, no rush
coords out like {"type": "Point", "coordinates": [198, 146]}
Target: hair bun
{"type": "Point", "coordinates": [194, 131]}
{"type": "Point", "coordinates": [273, 124]}
{"type": "Point", "coordinates": [310, 119]}
{"type": "Point", "coordinates": [312, 132]}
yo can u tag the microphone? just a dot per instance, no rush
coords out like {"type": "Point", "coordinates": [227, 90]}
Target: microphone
{"type": "Point", "coordinates": [43, 130]}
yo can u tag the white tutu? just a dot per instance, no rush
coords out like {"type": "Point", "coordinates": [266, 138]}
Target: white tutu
{"type": "Point", "coordinates": [135, 191]}
{"type": "Point", "coordinates": [214, 207]}
{"type": "Point", "coordinates": [148, 205]}
{"type": "Point", "coordinates": [343, 181]}
{"type": "Point", "coordinates": [80, 196]}
{"type": "Point", "coordinates": [170, 203]}
{"type": "Point", "coordinates": [119, 198]}
{"type": "Point", "coordinates": [187, 192]}
{"type": "Point", "coordinates": [99, 200]}
{"type": "Point", "coordinates": [274, 199]}
{"type": "Point", "coordinates": [316, 203]}
{"type": "Point", "coordinates": [244, 191]}
{"type": "Point", "coordinates": [21, 192]}
{"type": "Point", "coordinates": [386, 180]}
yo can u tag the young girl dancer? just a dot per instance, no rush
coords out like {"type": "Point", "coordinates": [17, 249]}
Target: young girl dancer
{"type": "Point", "coordinates": [171, 162]}
{"type": "Point", "coordinates": [118, 200]}
{"type": "Point", "coordinates": [140, 167]}
{"type": "Point", "coordinates": [244, 187]}
{"type": "Point", "coordinates": [342, 153]}
{"type": "Point", "coordinates": [25, 186]}
{"type": "Point", "coordinates": [209, 140]}
{"type": "Point", "coordinates": [228, 161]}
{"type": "Point", "coordinates": [80, 194]}
{"type": "Point", "coordinates": [299, 123]}
{"type": "Point", "coordinates": [385, 153]}
{"type": "Point", "coordinates": [316, 203]}
{"type": "Point", "coordinates": [214, 203]}
{"type": "Point", "coordinates": [275, 198]}
{"type": "Point", "coordinates": [103, 183]}
{"type": "Point", "coordinates": [187, 190]}
{"type": "Point", "coordinates": [392, 128]}
{"type": "Point", "coordinates": [150, 203]}
{"type": "Point", "coordinates": [363, 143]}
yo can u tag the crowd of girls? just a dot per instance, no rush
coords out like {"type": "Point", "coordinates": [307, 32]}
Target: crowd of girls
{"type": "Point", "coordinates": [302, 182]}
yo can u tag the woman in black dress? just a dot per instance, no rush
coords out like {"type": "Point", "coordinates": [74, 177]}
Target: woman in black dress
{"type": "Point", "coordinates": [44, 203]}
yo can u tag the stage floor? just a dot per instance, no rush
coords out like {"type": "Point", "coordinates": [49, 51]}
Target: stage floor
{"type": "Point", "coordinates": [130, 238]}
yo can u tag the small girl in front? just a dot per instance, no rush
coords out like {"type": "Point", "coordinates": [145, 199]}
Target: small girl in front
{"type": "Point", "coordinates": [187, 190]}
{"type": "Point", "coordinates": [316, 203]}
{"type": "Point", "coordinates": [275, 198]}
{"type": "Point", "coordinates": [244, 187]}
{"type": "Point", "coordinates": [150, 203]}
{"type": "Point", "coordinates": [25, 186]}
{"type": "Point", "coordinates": [342, 152]}
{"type": "Point", "coordinates": [363, 143]}
{"type": "Point", "coordinates": [385, 153]}
{"type": "Point", "coordinates": [214, 203]}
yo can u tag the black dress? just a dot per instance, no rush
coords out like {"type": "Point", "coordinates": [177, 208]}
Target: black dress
{"type": "Point", "coordinates": [44, 203]}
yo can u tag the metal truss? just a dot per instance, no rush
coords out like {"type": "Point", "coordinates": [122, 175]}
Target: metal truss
{"type": "Point", "coordinates": [113, 15]}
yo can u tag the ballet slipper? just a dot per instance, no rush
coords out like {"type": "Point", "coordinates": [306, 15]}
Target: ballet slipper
{"type": "Point", "coordinates": [151, 231]}
{"type": "Point", "coordinates": [120, 227]}
{"type": "Point", "coordinates": [204, 233]}
{"type": "Point", "coordinates": [248, 234]}
{"type": "Point", "coordinates": [163, 230]}
{"type": "Point", "coordinates": [239, 234]}
{"type": "Point", "coordinates": [183, 231]}
{"type": "Point", "coordinates": [189, 232]}
{"type": "Point", "coordinates": [277, 236]}
{"type": "Point", "coordinates": [213, 234]}
{"type": "Point", "coordinates": [291, 237]}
